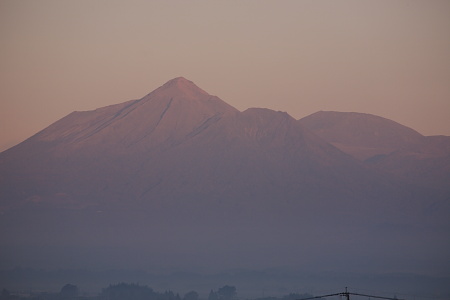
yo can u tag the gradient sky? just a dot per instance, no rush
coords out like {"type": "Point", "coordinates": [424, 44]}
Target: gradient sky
{"type": "Point", "coordinates": [388, 58]}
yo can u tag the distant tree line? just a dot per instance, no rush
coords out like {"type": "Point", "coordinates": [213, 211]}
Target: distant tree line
{"type": "Point", "coordinates": [224, 293]}
{"type": "Point", "coordinates": [124, 291]}
{"type": "Point", "coordinates": [127, 291]}
{"type": "Point", "coordinates": [292, 296]}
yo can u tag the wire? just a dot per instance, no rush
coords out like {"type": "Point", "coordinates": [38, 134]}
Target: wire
{"type": "Point", "coordinates": [347, 295]}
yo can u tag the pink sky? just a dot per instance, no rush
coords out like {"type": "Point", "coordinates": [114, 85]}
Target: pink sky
{"type": "Point", "coordinates": [388, 58]}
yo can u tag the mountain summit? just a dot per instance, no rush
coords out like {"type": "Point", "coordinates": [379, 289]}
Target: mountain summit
{"type": "Point", "coordinates": [181, 171]}
{"type": "Point", "coordinates": [183, 86]}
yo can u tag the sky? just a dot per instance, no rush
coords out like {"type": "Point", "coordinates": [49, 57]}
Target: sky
{"type": "Point", "coordinates": [387, 58]}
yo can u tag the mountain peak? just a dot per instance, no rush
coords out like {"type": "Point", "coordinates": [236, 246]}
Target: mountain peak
{"type": "Point", "coordinates": [179, 80]}
{"type": "Point", "coordinates": [182, 85]}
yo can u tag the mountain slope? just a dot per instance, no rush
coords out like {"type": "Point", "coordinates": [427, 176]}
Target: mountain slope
{"type": "Point", "coordinates": [424, 163]}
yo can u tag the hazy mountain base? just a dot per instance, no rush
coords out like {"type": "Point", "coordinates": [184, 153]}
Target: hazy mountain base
{"type": "Point", "coordinates": [212, 240]}
{"type": "Point", "coordinates": [249, 283]}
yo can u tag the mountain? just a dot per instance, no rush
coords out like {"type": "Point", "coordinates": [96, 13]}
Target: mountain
{"type": "Point", "coordinates": [174, 142]}
{"type": "Point", "coordinates": [180, 179]}
{"type": "Point", "coordinates": [360, 135]}
{"type": "Point", "coordinates": [386, 146]}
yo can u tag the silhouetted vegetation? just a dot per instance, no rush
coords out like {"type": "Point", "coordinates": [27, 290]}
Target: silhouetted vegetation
{"type": "Point", "coordinates": [127, 291]}
{"type": "Point", "coordinates": [6, 295]}
{"type": "Point", "coordinates": [192, 295]}
{"type": "Point", "coordinates": [224, 293]}
{"type": "Point", "coordinates": [69, 291]}
{"type": "Point", "coordinates": [123, 291]}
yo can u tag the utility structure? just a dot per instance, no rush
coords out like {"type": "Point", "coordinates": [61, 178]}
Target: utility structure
{"type": "Point", "coordinates": [347, 294]}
